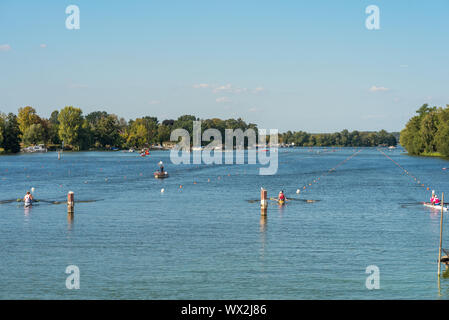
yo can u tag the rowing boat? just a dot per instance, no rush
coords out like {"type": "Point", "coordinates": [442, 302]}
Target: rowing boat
{"type": "Point", "coordinates": [429, 205]}
{"type": "Point", "coordinates": [160, 175]}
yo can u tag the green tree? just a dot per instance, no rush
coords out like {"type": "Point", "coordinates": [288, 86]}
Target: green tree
{"type": "Point", "coordinates": [26, 117]}
{"type": "Point", "coordinates": [70, 125]}
{"type": "Point", "coordinates": [163, 133]}
{"type": "Point", "coordinates": [53, 128]}
{"type": "Point", "coordinates": [2, 127]}
{"type": "Point", "coordinates": [428, 130]}
{"type": "Point", "coordinates": [34, 134]}
{"type": "Point", "coordinates": [11, 136]}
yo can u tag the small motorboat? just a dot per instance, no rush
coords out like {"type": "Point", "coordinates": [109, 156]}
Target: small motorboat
{"type": "Point", "coordinates": [160, 175]}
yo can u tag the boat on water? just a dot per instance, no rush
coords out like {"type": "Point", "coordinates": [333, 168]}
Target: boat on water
{"type": "Point", "coordinates": [281, 202]}
{"type": "Point", "coordinates": [160, 175]}
{"type": "Point", "coordinates": [429, 205]}
{"type": "Point", "coordinates": [38, 148]}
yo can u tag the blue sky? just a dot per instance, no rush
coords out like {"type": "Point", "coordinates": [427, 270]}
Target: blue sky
{"type": "Point", "coordinates": [290, 65]}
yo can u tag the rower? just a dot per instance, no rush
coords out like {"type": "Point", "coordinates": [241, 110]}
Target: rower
{"type": "Point", "coordinates": [28, 199]}
{"type": "Point", "coordinates": [436, 201]}
{"type": "Point", "coordinates": [281, 196]}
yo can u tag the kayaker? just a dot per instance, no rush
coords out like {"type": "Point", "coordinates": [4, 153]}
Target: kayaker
{"type": "Point", "coordinates": [28, 199]}
{"type": "Point", "coordinates": [281, 196]}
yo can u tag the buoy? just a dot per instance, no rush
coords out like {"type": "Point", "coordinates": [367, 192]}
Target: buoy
{"type": "Point", "coordinates": [180, 186]}
{"type": "Point", "coordinates": [298, 191]}
{"type": "Point", "coordinates": [162, 190]}
{"type": "Point", "coordinates": [32, 190]}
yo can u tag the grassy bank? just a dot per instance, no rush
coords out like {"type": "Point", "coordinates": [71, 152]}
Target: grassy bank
{"type": "Point", "coordinates": [432, 154]}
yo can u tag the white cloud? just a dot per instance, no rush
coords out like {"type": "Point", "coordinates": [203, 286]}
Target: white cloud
{"type": "Point", "coordinates": [5, 47]}
{"type": "Point", "coordinates": [378, 89]}
{"type": "Point", "coordinates": [222, 100]}
{"type": "Point", "coordinates": [226, 88]}
{"type": "Point", "coordinates": [201, 85]}
{"type": "Point", "coordinates": [229, 88]}
{"type": "Point", "coordinates": [43, 45]}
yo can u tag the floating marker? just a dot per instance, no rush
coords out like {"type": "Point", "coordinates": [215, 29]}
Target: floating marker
{"type": "Point", "coordinates": [298, 191]}
{"type": "Point", "coordinates": [162, 190]}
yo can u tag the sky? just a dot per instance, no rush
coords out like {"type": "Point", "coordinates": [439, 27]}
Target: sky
{"type": "Point", "coordinates": [286, 65]}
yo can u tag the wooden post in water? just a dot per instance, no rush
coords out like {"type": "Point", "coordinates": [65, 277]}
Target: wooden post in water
{"type": "Point", "coordinates": [441, 235]}
{"type": "Point", "coordinates": [263, 202]}
{"type": "Point", "coordinates": [59, 155]}
{"type": "Point", "coordinates": [70, 202]}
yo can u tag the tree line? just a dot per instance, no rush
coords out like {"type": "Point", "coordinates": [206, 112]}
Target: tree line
{"type": "Point", "coordinates": [427, 133]}
{"type": "Point", "coordinates": [339, 139]}
{"type": "Point", "coordinates": [97, 130]}
{"type": "Point", "coordinates": [100, 130]}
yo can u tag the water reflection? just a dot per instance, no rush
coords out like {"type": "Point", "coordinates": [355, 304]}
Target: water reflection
{"type": "Point", "coordinates": [281, 209]}
{"type": "Point", "coordinates": [263, 234]}
{"type": "Point", "coordinates": [27, 213]}
{"type": "Point", "coordinates": [70, 221]}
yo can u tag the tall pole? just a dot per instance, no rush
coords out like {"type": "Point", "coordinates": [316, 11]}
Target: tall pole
{"type": "Point", "coordinates": [441, 234]}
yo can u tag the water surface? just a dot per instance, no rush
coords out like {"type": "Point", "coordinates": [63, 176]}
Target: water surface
{"type": "Point", "coordinates": [207, 240]}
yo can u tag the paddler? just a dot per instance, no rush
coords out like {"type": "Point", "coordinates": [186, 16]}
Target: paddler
{"type": "Point", "coordinates": [281, 196]}
{"type": "Point", "coordinates": [28, 199]}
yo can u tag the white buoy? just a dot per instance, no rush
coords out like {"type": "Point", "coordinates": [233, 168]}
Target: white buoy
{"type": "Point", "coordinates": [162, 190]}
{"type": "Point", "coordinates": [298, 191]}
{"type": "Point", "coordinates": [32, 190]}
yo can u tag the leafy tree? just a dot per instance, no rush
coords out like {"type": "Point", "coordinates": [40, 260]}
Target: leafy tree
{"type": "Point", "coordinates": [163, 133]}
{"type": "Point", "coordinates": [11, 135]}
{"type": "Point", "coordinates": [2, 128]}
{"type": "Point", "coordinates": [34, 134]}
{"type": "Point", "coordinates": [70, 125]}
{"type": "Point", "coordinates": [26, 117]}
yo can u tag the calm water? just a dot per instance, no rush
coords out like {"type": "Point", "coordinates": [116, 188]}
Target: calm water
{"type": "Point", "coordinates": [207, 240]}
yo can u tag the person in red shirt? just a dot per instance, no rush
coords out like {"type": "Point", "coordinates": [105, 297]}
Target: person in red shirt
{"type": "Point", "coordinates": [281, 196]}
{"type": "Point", "coordinates": [436, 201]}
